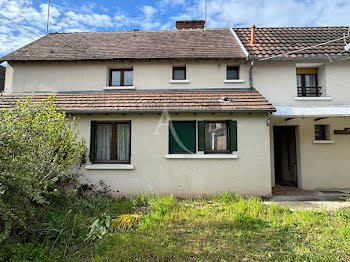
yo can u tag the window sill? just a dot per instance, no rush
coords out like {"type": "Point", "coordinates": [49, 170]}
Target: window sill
{"type": "Point", "coordinates": [179, 81]}
{"type": "Point", "coordinates": [323, 141]}
{"type": "Point", "coordinates": [109, 167]}
{"type": "Point", "coordinates": [320, 98]}
{"type": "Point", "coordinates": [233, 81]}
{"type": "Point", "coordinates": [111, 88]}
{"type": "Point", "coordinates": [197, 156]}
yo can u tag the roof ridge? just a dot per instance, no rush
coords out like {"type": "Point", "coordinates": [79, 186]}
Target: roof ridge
{"type": "Point", "coordinates": [287, 27]}
{"type": "Point", "coordinates": [139, 31]}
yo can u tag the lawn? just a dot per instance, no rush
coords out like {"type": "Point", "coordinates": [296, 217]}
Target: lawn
{"type": "Point", "coordinates": [224, 228]}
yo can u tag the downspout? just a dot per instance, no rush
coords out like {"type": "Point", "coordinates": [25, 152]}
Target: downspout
{"type": "Point", "coordinates": [251, 75]}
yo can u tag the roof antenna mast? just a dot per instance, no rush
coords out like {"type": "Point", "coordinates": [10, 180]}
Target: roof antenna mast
{"type": "Point", "coordinates": [48, 17]}
{"type": "Point", "coordinates": [205, 13]}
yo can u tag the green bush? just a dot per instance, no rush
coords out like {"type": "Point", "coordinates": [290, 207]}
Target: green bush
{"type": "Point", "coordinates": [39, 145]}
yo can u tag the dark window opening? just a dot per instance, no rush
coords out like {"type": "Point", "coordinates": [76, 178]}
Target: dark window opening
{"type": "Point", "coordinates": [121, 77]}
{"type": "Point", "coordinates": [321, 132]}
{"type": "Point", "coordinates": [232, 72]}
{"type": "Point", "coordinates": [179, 73]}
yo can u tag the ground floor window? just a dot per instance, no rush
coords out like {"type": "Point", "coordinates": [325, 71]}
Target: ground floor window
{"type": "Point", "coordinates": [186, 137]}
{"type": "Point", "coordinates": [110, 142]}
{"type": "Point", "coordinates": [321, 132]}
{"type": "Point", "coordinates": [216, 137]}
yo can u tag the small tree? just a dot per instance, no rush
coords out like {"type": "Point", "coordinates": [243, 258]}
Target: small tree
{"type": "Point", "coordinates": [38, 145]}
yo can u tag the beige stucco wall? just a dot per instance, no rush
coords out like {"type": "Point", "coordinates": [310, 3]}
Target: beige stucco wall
{"type": "Point", "coordinates": [321, 166]}
{"type": "Point", "coordinates": [249, 174]}
{"type": "Point", "coordinates": [93, 76]}
{"type": "Point", "coordinates": [276, 80]}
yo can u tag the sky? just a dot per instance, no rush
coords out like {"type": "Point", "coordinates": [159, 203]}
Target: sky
{"type": "Point", "coordinates": [122, 15]}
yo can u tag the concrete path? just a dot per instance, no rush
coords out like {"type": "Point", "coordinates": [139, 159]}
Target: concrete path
{"type": "Point", "coordinates": [325, 199]}
{"type": "Point", "coordinates": [319, 205]}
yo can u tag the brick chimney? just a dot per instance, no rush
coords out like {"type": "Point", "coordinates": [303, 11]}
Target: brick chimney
{"type": "Point", "coordinates": [190, 24]}
{"type": "Point", "coordinates": [252, 35]}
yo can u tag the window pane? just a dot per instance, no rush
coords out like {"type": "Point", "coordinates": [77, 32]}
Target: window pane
{"type": "Point", "coordinates": [128, 78]}
{"type": "Point", "coordinates": [231, 73]}
{"type": "Point", "coordinates": [310, 80]}
{"type": "Point", "coordinates": [321, 132]}
{"type": "Point", "coordinates": [215, 136]}
{"type": "Point", "coordinates": [115, 78]}
{"type": "Point", "coordinates": [123, 142]}
{"type": "Point", "coordinates": [103, 142]}
{"type": "Point", "coordinates": [179, 73]}
{"type": "Point", "coordinates": [299, 80]}
{"type": "Point", "coordinates": [182, 136]}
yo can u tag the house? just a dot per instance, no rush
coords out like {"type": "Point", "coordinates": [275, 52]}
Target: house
{"type": "Point", "coordinates": [197, 111]}
{"type": "Point", "coordinates": [309, 87]}
{"type": "Point", "coordinates": [2, 77]}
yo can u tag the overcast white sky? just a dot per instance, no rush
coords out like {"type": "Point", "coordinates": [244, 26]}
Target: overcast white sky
{"type": "Point", "coordinates": [106, 15]}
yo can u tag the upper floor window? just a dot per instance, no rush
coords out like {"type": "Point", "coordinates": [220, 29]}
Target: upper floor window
{"type": "Point", "coordinates": [179, 73]}
{"type": "Point", "coordinates": [110, 142]}
{"type": "Point", "coordinates": [307, 82]}
{"type": "Point", "coordinates": [232, 72]}
{"type": "Point", "coordinates": [121, 77]}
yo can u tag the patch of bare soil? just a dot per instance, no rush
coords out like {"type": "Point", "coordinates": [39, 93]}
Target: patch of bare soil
{"type": "Point", "coordinates": [291, 191]}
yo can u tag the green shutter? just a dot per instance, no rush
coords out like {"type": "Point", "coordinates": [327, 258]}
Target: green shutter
{"type": "Point", "coordinates": [200, 135]}
{"type": "Point", "coordinates": [233, 135]}
{"type": "Point", "coordinates": [182, 137]}
{"type": "Point", "coordinates": [92, 140]}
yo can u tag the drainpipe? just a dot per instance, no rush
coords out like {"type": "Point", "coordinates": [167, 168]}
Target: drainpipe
{"type": "Point", "coordinates": [251, 75]}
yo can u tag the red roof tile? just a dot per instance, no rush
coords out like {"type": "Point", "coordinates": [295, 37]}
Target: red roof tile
{"type": "Point", "coordinates": [274, 41]}
{"type": "Point", "coordinates": [151, 101]}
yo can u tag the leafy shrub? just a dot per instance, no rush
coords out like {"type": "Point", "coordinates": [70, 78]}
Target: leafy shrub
{"type": "Point", "coordinates": [38, 146]}
{"type": "Point", "coordinates": [32, 251]}
{"type": "Point", "coordinates": [99, 227]}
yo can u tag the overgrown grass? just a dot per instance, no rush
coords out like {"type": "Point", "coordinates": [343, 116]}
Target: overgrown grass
{"type": "Point", "coordinates": [224, 228]}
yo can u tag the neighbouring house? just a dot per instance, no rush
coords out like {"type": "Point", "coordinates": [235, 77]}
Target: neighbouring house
{"type": "Point", "coordinates": [309, 87]}
{"type": "Point", "coordinates": [197, 111]}
{"type": "Point", "coordinates": [2, 77]}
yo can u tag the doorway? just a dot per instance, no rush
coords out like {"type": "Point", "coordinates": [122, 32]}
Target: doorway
{"type": "Point", "coordinates": [285, 153]}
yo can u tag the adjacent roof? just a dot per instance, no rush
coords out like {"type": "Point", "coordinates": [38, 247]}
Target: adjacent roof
{"type": "Point", "coordinates": [272, 41]}
{"type": "Point", "coordinates": [151, 101]}
{"type": "Point", "coordinates": [198, 43]}
{"type": "Point", "coordinates": [312, 111]}
{"type": "Point", "coordinates": [2, 77]}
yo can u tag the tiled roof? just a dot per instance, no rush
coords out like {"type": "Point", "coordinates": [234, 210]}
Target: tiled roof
{"type": "Point", "coordinates": [202, 43]}
{"type": "Point", "coordinates": [2, 77]}
{"type": "Point", "coordinates": [151, 101]}
{"type": "Point", "coordinates": [274, 41]}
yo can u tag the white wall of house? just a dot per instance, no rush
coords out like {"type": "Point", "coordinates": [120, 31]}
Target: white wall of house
{"type": "Point", "coordinates": [249, 174]}
{"type": "Point", "coordinates": [94, 76]}
{"type": "Point", "coordinates": [276, 80]}
{"type": "Point", "coordinates": [324, 165]}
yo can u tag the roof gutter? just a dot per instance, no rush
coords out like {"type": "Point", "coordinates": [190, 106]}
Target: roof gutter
{"type": "Point", "coordinates": [240, 43]}
{"type": "Point", "coordinates": [169, 111]}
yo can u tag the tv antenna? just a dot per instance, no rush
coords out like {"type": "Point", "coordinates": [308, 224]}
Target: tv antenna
{"type": "Point", "coordinates": [205, 13]}
{"type": "Point", "coordinates": [48, 17]}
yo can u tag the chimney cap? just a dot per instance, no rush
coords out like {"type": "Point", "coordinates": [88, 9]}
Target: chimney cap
{"type": "Point", "coordinates": [190, 24]}
{"type": "Point", "coordinates": [252, 26]}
